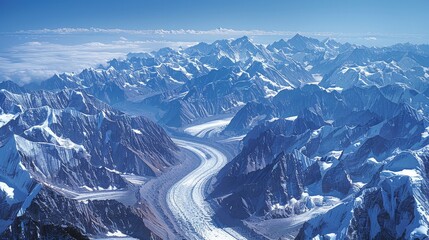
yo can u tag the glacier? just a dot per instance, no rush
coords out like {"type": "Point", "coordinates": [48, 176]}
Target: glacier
{"type": "Point", "coordinates": [301, 138]}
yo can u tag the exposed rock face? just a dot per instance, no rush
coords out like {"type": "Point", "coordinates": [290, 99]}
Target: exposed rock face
{"type": "Point", "coordinates": [51, 215]}
{"type": "Point", "coordinates": [336, 179]}
{"type": "Point", "coordinates": [356, 136]}
{"type": "Point", "coordinates": [219, 91]}
{"type": "Point", "coordinates": [312, 174]}
{"type": "Point", "coordinates": [221, 77]}
{"type": "Point", "coordinates": [56, 145]}
{"type": "Point", "coordinates": [390, 208]}
{"type": "Point", "coordinates": [355, 104]}
{"type": "Point", "coordinates": [256, 192]}
{"type": "Point", "coordinates": [365, 163]}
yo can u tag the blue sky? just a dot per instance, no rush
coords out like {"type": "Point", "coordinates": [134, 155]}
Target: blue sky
{"type": "Point", "coordinates": [341, 16]}
{"type": "Point", "coordinates": [39, 38]}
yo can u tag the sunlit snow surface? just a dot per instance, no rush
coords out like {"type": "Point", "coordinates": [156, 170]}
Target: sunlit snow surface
{"type": "Point", "coordinates": [9, 191]}
{"type": "Point", "coordinates": [232, 139]}
{"type": "Point", "coordinates": [117, 233]}
{"type": "Point", "coordinates": [186, 198]}
{"type": "Point", "coordinates": [5, 118]}
{"type": "Point", "coordinates": [208, 129]}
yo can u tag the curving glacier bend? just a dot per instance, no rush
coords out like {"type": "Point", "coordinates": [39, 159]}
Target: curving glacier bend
{"type": "Point", "coordinates": [209, 128]}
{"type": "Point", "coordinates": [186, 198]}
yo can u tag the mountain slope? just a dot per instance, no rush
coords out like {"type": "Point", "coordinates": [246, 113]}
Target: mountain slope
{"type": "Point", "coordinates": [353, 156]}
{"type": "Point", "coordinates": [62, 143]}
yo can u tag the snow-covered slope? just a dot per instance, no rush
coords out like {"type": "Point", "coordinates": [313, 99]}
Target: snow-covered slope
{"type": "Point", "coordinates": [361, 153]}
{"type": "Point", "coordinates": [71, 141]}
{"type": "Point", "coordinates": [329, 127]}
{"type": "Point", "coordinates": [219, 77]}
{"type": "Point", "coordinates": [393, 205]}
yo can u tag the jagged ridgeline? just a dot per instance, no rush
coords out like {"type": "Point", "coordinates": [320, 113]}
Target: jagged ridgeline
{"type": "Point", "coordinates": [55, 147]}
{"type": "Point", "coordinates": [335, 139]}
{"type": "Point", "coordinates": [343, 162]}
{"type": "Point", "coordinates": [208, 79]}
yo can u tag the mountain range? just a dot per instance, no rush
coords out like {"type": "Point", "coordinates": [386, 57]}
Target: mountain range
{"type": "Point", "coordinates": [334, 138]}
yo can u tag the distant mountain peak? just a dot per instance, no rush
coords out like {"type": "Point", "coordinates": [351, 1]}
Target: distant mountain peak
{"type": "Point", "coordinates": [299, 37]}
{"type": "Point", "coordinates": [280, 44]}
{"type": "Point", "coordinates": [331, 42]}
{"type": "Point", "coordinates": [12, 87]}
{"type": "Point", "coordinates": [242, 40]}
{"type": "Point", "coordinates": [302, 43]}
{"type": "Point", "coordinates": [281, 41]}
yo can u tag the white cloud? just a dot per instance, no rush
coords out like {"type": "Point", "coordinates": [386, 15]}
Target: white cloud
{"type": "Point", "coordinates": [217, 31]}
{"type": "Point", "coordinates": [223, 32]}
{"type": "Point", "coordinates": [371, 38]}
{"type": "Point", "coordinates": [35, 61]}
{"type": "Point", "coordinates": [47, 52]}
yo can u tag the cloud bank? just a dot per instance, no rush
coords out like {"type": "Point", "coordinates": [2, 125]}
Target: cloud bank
{"type": "Point", "coordinates": [36, 61]}
{"type": "Point", "coordinates": [217, 31]}
{"type": "Point", "coordinates": [34, 55]}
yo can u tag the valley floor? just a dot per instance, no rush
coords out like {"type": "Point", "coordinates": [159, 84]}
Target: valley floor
{"type": "Point", "coordinates": [186, 198]}
{"type": "Point", "coordinates": [180, 195]}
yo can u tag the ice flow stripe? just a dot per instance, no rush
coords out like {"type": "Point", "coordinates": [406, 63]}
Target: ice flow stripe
{"type": "Point", "coordinates": [186, 198]}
